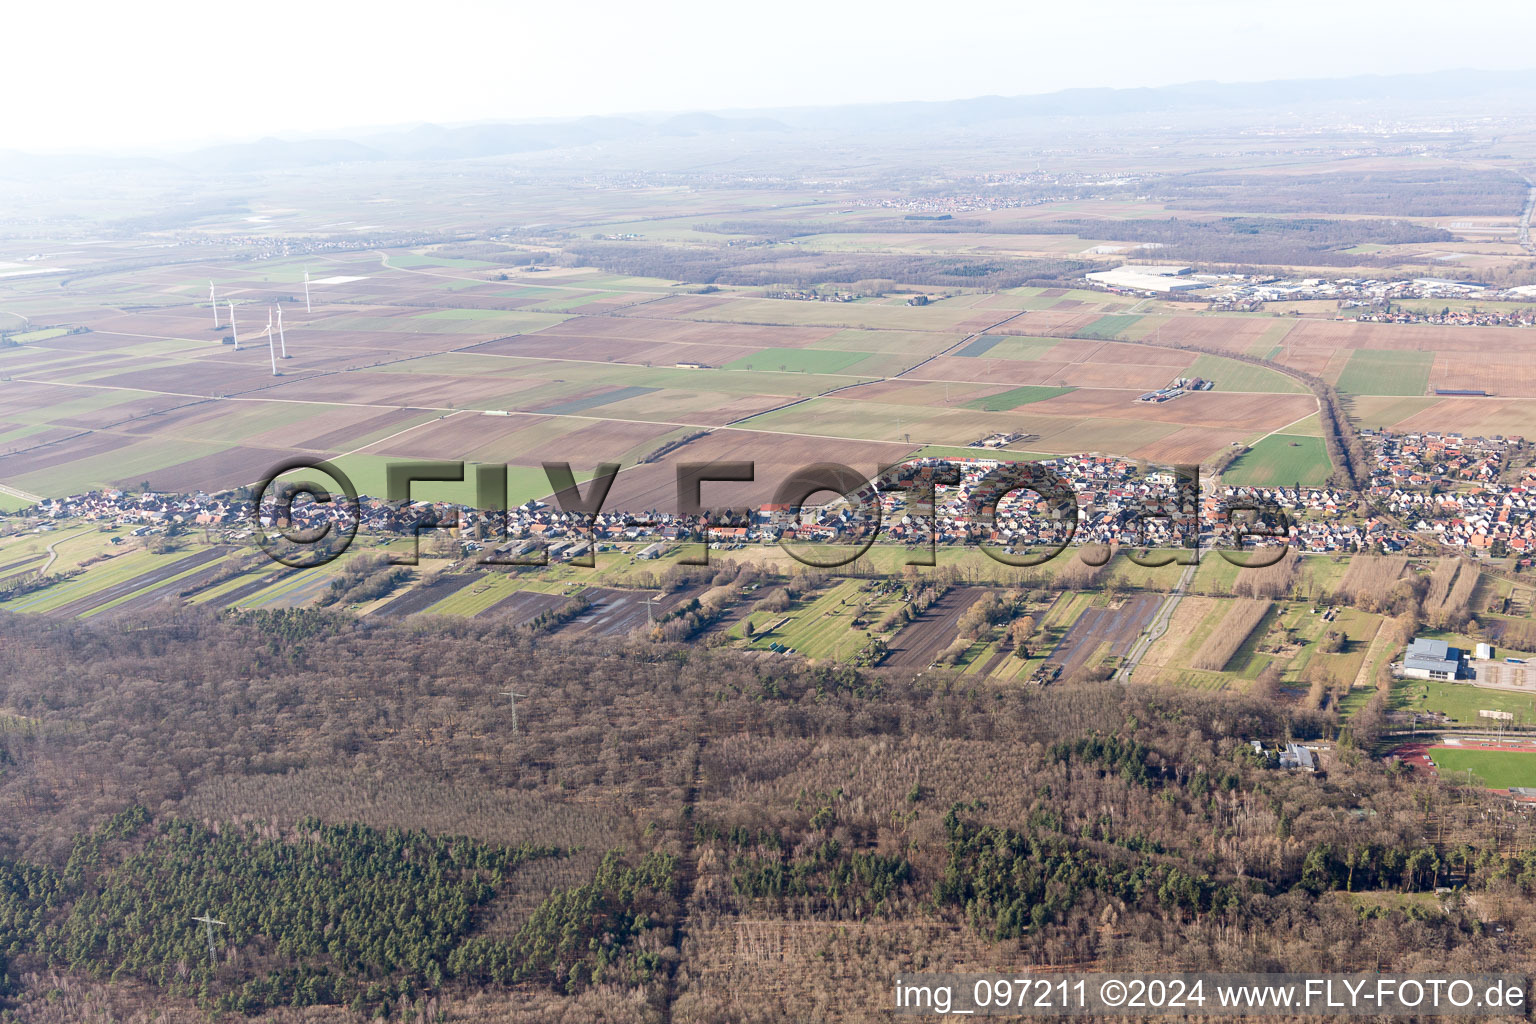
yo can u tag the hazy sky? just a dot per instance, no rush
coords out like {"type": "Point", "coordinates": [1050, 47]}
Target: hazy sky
{"type": "Point", "coordinates": [91, 75]}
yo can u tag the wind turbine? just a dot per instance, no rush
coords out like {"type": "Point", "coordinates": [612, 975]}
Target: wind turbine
{"type": "Point", "coordinates": [307, 308]}
{"type": "Point", "coordinates": [271, 346]}
{"type": "Point", "coordinates": [233, 329]}
{"type": "Point", "coordinates": [213, 300]}
{"type": "Point", "coordinates": [208, 923]}
{"type": "Point", "coordinates": [281, 338]}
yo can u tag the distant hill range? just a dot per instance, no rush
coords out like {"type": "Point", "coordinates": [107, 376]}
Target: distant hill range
{"type": "Point", "coordinates": [1394, 93]}
{"type": "Point", "coordinates": [1469, 92]}
{"type": "Point", "coordinates": [434, 142]}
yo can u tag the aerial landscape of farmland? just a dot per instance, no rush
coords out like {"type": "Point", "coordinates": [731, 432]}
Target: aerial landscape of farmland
{"type": "Point", "coordinates": [155, 386]}
{"type": "Point", "coordinates": [709, 564]}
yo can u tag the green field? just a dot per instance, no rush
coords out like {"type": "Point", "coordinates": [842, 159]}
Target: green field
{"type": "Point", "coordinates": [412, 260]}
{"type": "Point", "coordinates": [821, 626]}
{"type": "Point", "coordinates": [1110, 327]}
{"type": "Point", "coordinates": [128, 466]}
{"type": "Point", "coordinates": [1495, 769]}
{"type": "Point", "coordinates": [1018, 347]}
{"type": "Point", "coordinates": [489, 588]}
{"type": "Point", "coordinates": [123, 568]}
{"type": "Point", "coordinates": [168, 583]}
{"type": "Point", "coordinates": [943, 315]}
{"type": "Point", "coordinates": [1281, 460]}
{"type": "Point", "coordinates": [943, 451]}
{"type": "Point", "coordinates": [1383, 412]}
{"type": "Point", "coordinates": [368, 475]}
{"type": "Point", "coordinates": [1359, 627]}
{"type": "Point", "coordinates": [478, 314]}
{"type": "Point", "coordinates": [797, 360]}
{"type": "Point", "coordinates": [1232, 375]}
{"type": "Point", "coordinates": [1378, 372]}
{"type": "Point", "coordinates": [41, 334]}
{"type": "Point", "coordinates": [573, 301]}
{"type": "Point", "coordinates": [505, 322]}
{"type": "Point", "coordinates": [1460, 702]}
{"type": "Point", "coordinates": [1015, 397]}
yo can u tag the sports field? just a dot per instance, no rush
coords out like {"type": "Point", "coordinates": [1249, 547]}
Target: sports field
{"type": "Point", "coordinates": [1460, 702]}
{"type": "Point", "coordinates": [1495, 769]}
{"type": "Point", "coordinates": [1281, 460]}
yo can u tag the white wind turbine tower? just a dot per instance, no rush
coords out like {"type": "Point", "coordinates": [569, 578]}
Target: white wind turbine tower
{"type": "Point", "coordinates": [307, 308]}
{"type": "Point", "coordinates": [271, 345]}
{"type": "Point", "coordinates": [281, 338]}
{"type": "Point", "coordinates": [232, 328]}
{"type": "Point", "coordinates": [213, 301]}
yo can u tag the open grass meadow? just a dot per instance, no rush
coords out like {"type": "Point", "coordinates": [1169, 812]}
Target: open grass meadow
{"type": "Point", "coordinates": [1232, 375]}
{"type": "Point", "coordinates": [820, 625]}
{"type": "Point", "coordinates": [1281, 460]}
{"type": "Point", "coordinates": [797, 360]}
{"type": "Point", "coordinates": [1015, 397]}
{"type": "Point", "coordinates": [1378, 372]}
{"type": "Point", "coordinates": [1110, 327]}
{"type": "Point", "coordinates": [1010, 346]}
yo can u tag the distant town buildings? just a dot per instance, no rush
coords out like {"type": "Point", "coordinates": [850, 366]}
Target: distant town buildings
{"type": "Point", "coordinates": [1374, 300]}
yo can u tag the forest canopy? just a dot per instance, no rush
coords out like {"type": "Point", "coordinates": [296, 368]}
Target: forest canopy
{"type": "Point", "coordinates": [348, 798]}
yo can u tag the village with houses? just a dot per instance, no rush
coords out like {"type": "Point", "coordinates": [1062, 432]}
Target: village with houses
{"type": "Point", "coordinates": [1428, 491]}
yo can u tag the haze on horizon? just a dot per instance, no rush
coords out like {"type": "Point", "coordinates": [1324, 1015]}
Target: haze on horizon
{"type": "Point", "coordinates": [197, 74]}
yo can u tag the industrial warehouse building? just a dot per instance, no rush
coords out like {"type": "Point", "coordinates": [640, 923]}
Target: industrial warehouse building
{"type": "Point", "coordinates": [1133, 277]}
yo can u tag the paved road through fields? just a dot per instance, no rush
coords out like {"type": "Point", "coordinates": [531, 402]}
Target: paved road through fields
{"type": "Point", "coordinates": [1158, 625]}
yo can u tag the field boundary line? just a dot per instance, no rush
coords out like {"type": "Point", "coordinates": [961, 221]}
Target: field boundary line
{"type": "Point", "coordinates": [1363, 677]}
{"type": "Point", "coordinates": [18, 493]}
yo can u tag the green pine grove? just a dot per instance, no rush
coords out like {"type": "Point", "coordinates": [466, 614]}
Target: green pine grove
{"type": "Point", "coordinates": [330, 914]}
